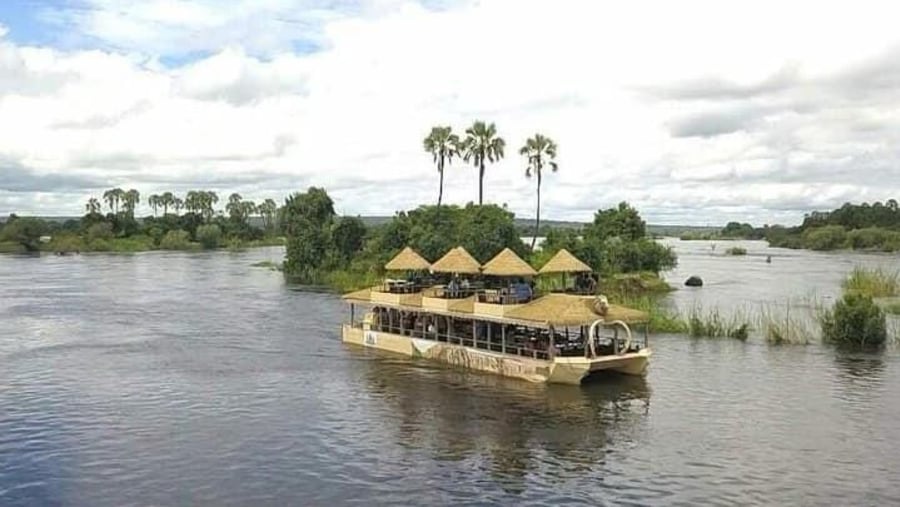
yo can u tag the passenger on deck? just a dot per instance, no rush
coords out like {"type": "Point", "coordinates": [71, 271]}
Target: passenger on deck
{"type": "Point", "coordinates": [453, 287]}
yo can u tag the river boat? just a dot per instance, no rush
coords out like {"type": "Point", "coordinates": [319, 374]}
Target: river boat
{"type": "Point", "coordinates": [490, 322]}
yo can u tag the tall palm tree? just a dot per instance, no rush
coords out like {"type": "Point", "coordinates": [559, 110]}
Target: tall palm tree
{"type": "Point", "coordinates": [540, 151]}
{"type": "Point", "coordinates": [112, 197]}
{"type": "Point", "coordinates": [131, 198]}
{"type": "Point", "coordinates": [177, 204]}
{"type": "Point", "coordinates": [482, 143]}
{"type": "Point", "coordinates": [154, 201]}
{"type": "Point", "coordinates": [443, 145]}
{"type": "Point", "coordinates": [166, 200]}
{"type": "Point", "coordinates": [92, 206]}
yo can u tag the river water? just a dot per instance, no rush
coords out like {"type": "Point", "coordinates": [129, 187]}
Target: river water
{"type": "Point", "coordinates": [196, 379]}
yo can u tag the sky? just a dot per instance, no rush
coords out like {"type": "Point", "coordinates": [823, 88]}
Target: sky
{"type": "Point", "coordinates": [696, 112]}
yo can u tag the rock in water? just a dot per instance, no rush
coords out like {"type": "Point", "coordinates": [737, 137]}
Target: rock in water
{"type": "Point", "coordinates": [694, 281]}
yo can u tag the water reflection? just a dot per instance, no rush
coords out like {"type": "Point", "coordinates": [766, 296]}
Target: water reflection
{"type": "Point", "coordinates": [508, 426]}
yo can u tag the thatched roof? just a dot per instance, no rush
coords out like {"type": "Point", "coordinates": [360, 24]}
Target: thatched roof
{"type": "Point", "coordinates": [364, 295]}
{"type": "Point", "coordinates": [507, 263]}
{"type": "Point", "coordinates": [569, 310]}
{"type": "Point", "coordinates": [457, 260]}
{"type": "Point", "coordinates": [565, 262]}
{"type": "Point", "coordinates": [407, 260]}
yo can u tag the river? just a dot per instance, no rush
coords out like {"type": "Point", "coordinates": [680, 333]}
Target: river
{"type": "Point", "coordinates": [196, 379]}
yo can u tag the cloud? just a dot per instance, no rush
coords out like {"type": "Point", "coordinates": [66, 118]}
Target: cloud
{"type": "Point", "coordinates": [694, 117]}
{"type": "Point", "coordinates": [16, 178]}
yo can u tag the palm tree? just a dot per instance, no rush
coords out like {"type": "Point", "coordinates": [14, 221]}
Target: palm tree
{"type": "Point", "coordinates": [443, 145]}
{"type": "Point", "coordinates": [92, 206]}
{"type": "Point", "coordinates": [540, 151]}
{"type": "Point", "coordinates": [131, 198]}
{"type": "Point", "coordinates": [267, 209]}
{"type": "Point", "coordinates": [154, 201]}
{"type": "Point", "coordinates": [177, 204]}
{"type": "Point", "coordinates": [166, 200]}
{"type": "Point", "coordinates": [482, 143]}
{"type": "Point", "coordinates": [112, 198]}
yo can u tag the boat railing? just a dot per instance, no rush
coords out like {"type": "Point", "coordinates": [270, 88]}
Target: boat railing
{"type": "Point", "coordinates": [465, 342]}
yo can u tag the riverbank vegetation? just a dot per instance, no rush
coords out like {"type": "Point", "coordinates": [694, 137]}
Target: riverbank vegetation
{"type": "Point", "coordinates": [324, 249]}
{"type": "Point", "coordinates": [871, 227]}
{"type": "Point", "coordinates": [200, 226]}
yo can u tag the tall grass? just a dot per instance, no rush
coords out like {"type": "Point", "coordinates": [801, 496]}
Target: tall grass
{"type": "Point", "coordinates": [874, 283]}
{"type": "Point", "coordinates": [714, 324]}
{"type": "Point", "coordinates": [662, 319]}
{"type": "Point", "coordinates": [788, 325]}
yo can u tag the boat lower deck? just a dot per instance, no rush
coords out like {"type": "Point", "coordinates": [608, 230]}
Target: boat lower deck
{"type": "Point", "coordinates": [558, 369]}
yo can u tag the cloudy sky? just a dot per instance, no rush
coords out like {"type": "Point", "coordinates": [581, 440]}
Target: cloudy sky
{"type": "Point", "coordinates": [698, 112]}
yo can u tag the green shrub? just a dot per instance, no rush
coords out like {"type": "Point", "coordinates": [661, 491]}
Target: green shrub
{"type": "Point", "coordinates": [101, 230]}
{"type": "Point", "coordinates": [854, 320]}
{"type": "Point", "coordinates": [736, 250]}
{"type": "Point", "coordinates": [830, 237]}
{"type": "Point", "coordinates": [175, 240]}
{"type": "Point", "coordinates": [209, 235]}
{"type": "Point", "coordinates": [66, 243]}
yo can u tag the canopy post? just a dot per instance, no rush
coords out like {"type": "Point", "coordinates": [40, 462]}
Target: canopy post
{"type": "Point", "coordinates": [503, 338]}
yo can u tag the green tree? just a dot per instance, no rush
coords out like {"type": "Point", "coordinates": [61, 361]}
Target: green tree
{"type": "Point", "coordinates": [855, 320]}
{"type": "Point", "coordinates": [443, 145]}
{"type": "Point", "coordinates": [130, 200]}
{"type": "Point", "coordinates": [209, 235]}
{"type": "Point", "coordinates": [267, 209]}
{"type": "Point", "coordinates": [482, 145]}
{"type": "Point", "coordinates": [539, 151]}
{"type": "Point", "coordinates": [155, 202]}
{"type": "Point", "coordinates": [307, 220]}
{"type": "Point", "coordinates": [348, 235]}
{"type": "Point", "coordinates": [113, 197]}
{"type": "Point", "coordinates": [177, 204]}
{"type": "Point", "coordinates": [93, 206]}
{"type": "Point", "coordinates": [623, 221]}
{"type": "Point", "coordinates": [26, 231]}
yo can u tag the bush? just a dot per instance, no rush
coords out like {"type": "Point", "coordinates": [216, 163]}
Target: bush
{"type": "Point", "coordinates": [854, 320]}
{"type": "Point", "coordinates": [175, 240]}
{"type": "Point", "coordinates": [98, 231]}
{"type": "Point", "coordinates": [713, 324]}
{"type": "Point", "coordinates": [736, 250]}
{"type": "Point", "coordinates": [209, 235]}
{"type": "Point", "coordinates": [830, 237]}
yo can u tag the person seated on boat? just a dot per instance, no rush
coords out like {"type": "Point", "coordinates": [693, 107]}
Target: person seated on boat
{"type": "Point", "coordinates": [523, 292]}
{"type": "Point", "coordinates": [464, 286]}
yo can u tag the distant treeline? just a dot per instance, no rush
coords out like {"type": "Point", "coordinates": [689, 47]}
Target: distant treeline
{"type": "Point", "coordinates": [863, 226]}
{"type": "Point", "coordinates": [200, 225]}
{"type": "Point", "coordinates": [874, 227]}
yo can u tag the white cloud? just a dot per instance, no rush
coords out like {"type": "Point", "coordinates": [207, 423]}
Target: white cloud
{"type": "Point", "coordinates": [696, 111]}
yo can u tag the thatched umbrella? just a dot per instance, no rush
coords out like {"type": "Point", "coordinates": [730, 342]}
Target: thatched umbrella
{"type": "Point", "coordinates": [507, 263]}
{"type": "Point", "coordinates": [564, 262]}
{"type": "Point", "coordinates": [457, 260]}
{"type": "Point", "coordinates": [407, 260]}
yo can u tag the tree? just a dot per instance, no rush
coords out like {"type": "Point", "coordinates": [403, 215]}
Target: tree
{"type": "Point", "coordinates": [624, 222]}
{"type": "Point", "coordinates": [209, 235]}
{"type": "Point", "coordinates": [155, 202]}
{"type": "Point", "coordinates": [267, 209]}
{"type": "Point", "coordinates": [166, 200]}
{"type": "Point", "coordinates": [539, 151]}
{"type": "Point", "coordinates": [307, 219]}
{"type": "Point", "coordinates": [93, 206]}
{"type": "Point", "coordinates": [482, 144]}
{"type": "Point", "coordinates": [443, 145]}
{"type": "Point", "coordinates": [348, 236]}
{"type": "Point", "coordinates": [235, 208]}
{"type": "Point", "coordinates": [177, 204]}
{"type": "Point", "coordinates": [25, 231]}
{"type": "Point", "coordinates": [131, 199]}
{"type": "Point", "coordinates": [112, 197]}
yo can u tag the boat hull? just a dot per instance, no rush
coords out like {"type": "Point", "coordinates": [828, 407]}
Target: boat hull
{"type": "Point", "coordinates": [560, 370]}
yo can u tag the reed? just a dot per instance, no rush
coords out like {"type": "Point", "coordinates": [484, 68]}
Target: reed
{"type": "Point", "coordinates": [736, 250]}
{"type": "Point", "coordinates": [713, 323]}
{"type": "Point", "coordinates": [872, 282]}
{"type": "Point", "coordinates": [662, 318]}
{"type": "Point", "coordinates": [788, 325]}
